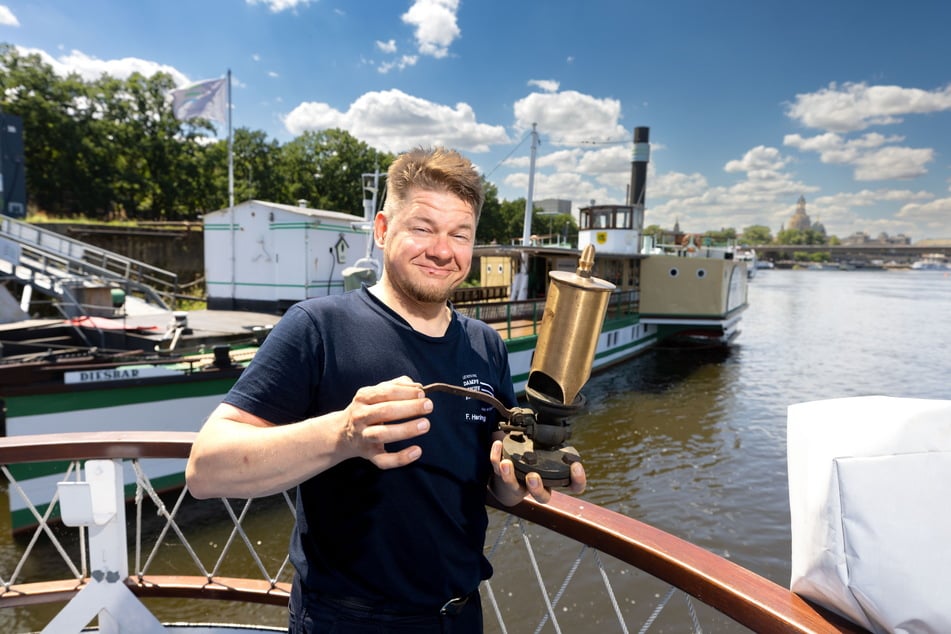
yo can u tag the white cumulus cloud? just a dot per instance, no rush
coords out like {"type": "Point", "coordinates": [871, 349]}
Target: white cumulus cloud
{"type": "Point", "coordinates": [387, 47]}
{"type": "Point", "coordinates": [405, 61]}
{"type": "Point", "coordinates": [856, 106]}
{"type": "Point", "coordinates": [547, 85]}
{"type": "Point", "coordinates": [6, 16]}
{"type": "Point", "coordinates": [276, 6]}
{"type": "Point", "coordinates": [760, 163]}
{"type": "Point", "coordinates": [395, 121]}
{"type": "Point", "coordinates": [91, 68]}
{"type": "Point", "coordinates": [872, 156]}
{"type": "Point", "coordinates": [436, 26]}
{"type": "Point", "coordinates": [933, 214]}
{"type": "Point", "coordinates": [570, 117]}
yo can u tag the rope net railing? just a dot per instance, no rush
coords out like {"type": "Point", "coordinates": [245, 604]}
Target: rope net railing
{"type": "Point", "coordinates": [181, 551]}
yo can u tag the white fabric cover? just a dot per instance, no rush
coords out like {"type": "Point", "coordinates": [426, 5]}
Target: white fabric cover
{"type": "Point", "coordinates": [870, 510]}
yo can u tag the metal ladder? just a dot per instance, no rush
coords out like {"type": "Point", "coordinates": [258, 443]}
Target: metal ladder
{"type": "Point", "coordinates": [59, 266]}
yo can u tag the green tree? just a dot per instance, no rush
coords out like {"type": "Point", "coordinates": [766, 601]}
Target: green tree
{"type": "Point", "coordinates": [30, 89]}
{"type": "Point", "coordinates": [720, 237]}
{"type": "Point", "coordinates": [557, 226]}
{"type": "Point", "coordinates": [325, 169]}
{"type": "Point", "coordinates": [514, 213]}
{"type": "Point", "coordinates": [756, 235]}
{"type": "Point", "coordinates": [256, 160]}
{"type": "Point", "coordinates": [155, 152]}
{"type": "Point", "coordinates": [113, 148]}
{"type": "Point", "coordinates": [491, 222]}
{"type": "Point", "coordinates": [800, 236]}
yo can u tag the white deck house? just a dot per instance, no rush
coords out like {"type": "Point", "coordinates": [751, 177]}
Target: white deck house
{"type": "Point", "coordinates": [265, 256]}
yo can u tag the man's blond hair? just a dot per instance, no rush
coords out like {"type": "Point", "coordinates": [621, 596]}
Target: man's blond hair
{"type": "Point", "coordinates": [434, 169]}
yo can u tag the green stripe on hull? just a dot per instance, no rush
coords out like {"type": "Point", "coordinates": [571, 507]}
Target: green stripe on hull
{"type": "Point", "coordinates": [109, 396]}
{"type": "Point", "coordinates": [528, 343]}
{"type": "Point", "coordinates": [317, 227]}
{"type": "Point", "coordinates": [28, 470]}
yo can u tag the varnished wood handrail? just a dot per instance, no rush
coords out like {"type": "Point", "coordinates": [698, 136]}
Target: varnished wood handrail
{"type": "Point", "coordinates": [155, 587]}
{"type": "Point", "coordinates": [741, 594]}
{"type": "Point", "coordinates": [95, 446]}
{"type": "Point", "coordinates": [744, 596]}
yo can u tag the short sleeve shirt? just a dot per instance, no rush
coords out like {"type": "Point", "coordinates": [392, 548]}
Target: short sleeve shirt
{"type": "Point", "coordinates": [411, 535]}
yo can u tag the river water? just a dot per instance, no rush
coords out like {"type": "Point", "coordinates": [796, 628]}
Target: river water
{"type": "Point", "coordinates": [694, 441]}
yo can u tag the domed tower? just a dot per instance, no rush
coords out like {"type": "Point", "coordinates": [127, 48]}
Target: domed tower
{"type": "Point", "coordinates": [800, 220]}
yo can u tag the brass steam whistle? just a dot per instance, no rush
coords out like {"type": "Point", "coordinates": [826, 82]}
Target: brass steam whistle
{"type": "Point", "coordinates": [567, 342]}
{"type": "Point", "coordinates": [536, 436]}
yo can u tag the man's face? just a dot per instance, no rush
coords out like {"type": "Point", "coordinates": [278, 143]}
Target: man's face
{"type": "Point", "coordinates": [427, 246]}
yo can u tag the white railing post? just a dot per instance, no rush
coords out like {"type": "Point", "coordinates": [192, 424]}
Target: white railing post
{"type": "Point", "coordinates": [98, 503]}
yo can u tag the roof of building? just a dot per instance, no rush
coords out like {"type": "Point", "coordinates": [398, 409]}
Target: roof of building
{"type": "Point", "coordinates": [304, 211]}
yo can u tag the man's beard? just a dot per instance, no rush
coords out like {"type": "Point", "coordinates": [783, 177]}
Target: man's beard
{"type": "Point", "coordinates": [421, 293]}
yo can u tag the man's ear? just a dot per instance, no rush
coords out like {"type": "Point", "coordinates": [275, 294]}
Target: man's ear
{"type": "Point", "coordinates": [380, 225]}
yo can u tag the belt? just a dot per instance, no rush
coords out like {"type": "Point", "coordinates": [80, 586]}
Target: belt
{"type": "Point", "coordinates": [452, 607]}
{"type": "Point", "coordinates": [455, 606]}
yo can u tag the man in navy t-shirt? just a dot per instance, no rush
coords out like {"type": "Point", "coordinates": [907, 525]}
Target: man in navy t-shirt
{"type": "Point", "coordinates": [391, 482]}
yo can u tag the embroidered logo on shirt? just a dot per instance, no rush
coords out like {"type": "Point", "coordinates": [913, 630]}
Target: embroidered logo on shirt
{"type": "Point", "coordinates": [472, 382]}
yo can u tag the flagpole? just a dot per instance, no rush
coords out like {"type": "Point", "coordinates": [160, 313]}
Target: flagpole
{"type": "Point", "coordinates": [231, 191]}
{"type": "Point", "coordinates": [230, 149]}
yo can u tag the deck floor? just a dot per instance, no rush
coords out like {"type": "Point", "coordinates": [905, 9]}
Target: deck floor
{"type": "Point", "coordinates": [516, 328]}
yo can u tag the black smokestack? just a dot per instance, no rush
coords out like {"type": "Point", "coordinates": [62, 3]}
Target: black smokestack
{"type": "Point", "coordinates": [640, 157]}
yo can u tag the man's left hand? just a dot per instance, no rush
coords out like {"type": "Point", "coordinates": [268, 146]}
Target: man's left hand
{"type": "Point", "coordinates": [509, 491]}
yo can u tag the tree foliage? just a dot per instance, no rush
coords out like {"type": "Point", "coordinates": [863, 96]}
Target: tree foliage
{"type": "Point", "coordinates": [800, 236]}
{"type": "Point", "coordinates": [756, 235]}
{"type": "Point", "coordinates": [112, 148]}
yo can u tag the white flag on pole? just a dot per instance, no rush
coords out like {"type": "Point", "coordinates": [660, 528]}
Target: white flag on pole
{"type": "Point", "coordinates": [205, 99]}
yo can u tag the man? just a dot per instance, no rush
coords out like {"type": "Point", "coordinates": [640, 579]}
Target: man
{"type": "Point", "coordinates": [391, 481]}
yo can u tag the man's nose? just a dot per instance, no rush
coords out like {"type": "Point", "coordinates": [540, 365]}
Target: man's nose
{"type": "Point", "coordinates": [441, 247]}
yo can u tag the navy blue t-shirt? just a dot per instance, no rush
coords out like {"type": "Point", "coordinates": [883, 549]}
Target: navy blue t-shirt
{"type": "Point", "coordinates": [411, 535]}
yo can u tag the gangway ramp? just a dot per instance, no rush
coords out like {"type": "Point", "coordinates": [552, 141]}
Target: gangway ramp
{"type": "Point", "coordinates": [81, 277]}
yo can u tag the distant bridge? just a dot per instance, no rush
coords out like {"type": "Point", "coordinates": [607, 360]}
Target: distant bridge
{"type": "Point", "coordinates": [842, 253]}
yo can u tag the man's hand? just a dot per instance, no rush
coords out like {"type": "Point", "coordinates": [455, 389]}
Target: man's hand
{"type": "Point", "coordinates": [365, 429]}
{"type": "Point", "coordinates": [509, 491]}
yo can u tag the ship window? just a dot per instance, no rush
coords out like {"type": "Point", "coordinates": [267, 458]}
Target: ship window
{"type": "Point", "coordinates": [623, 218]}
{"type": "Point", "coordinates": [701, 273]}
{"type": "Point", "coordinates": [673, 272]}
{"type": "Point", "coordinates": [608, 217]}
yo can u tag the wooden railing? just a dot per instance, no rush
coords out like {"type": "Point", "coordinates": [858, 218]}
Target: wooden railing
{"type": "Point", "coordinates": [746, 598]}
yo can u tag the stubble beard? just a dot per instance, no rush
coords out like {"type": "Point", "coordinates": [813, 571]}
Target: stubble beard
{"type": "Point", "coordinates": [421, 293]}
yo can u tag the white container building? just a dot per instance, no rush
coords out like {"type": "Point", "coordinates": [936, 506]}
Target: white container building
{"type": "Point", "coordinates": [264, 256]}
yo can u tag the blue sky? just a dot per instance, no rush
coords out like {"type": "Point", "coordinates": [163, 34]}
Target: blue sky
{"type": "Point", "coordinates": [751, 103]}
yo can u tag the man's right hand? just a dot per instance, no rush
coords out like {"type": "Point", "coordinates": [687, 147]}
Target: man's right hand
{"type": "Point", "coordinates": [369, 421]}
{"type": "Point", "coordinates": [238, 454]}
